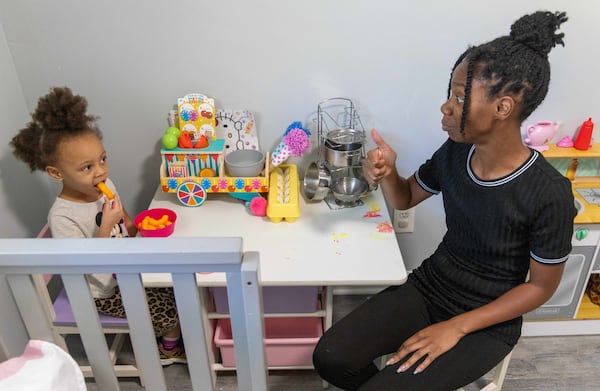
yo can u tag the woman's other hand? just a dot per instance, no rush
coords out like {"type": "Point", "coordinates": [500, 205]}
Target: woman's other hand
{"type": "Point", "coordinates": [426, 345]}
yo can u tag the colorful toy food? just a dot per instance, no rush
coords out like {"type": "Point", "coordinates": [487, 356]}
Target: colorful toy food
{"type": "Point", "coordinates": [583, 141]}
{"type": "Point", "coordinates": [207, 172]}
{"type": "Point", "coordinates": [104, 189]}
{"type": "Point", "coordinates": [185, 141]}
{"type": "Point", "coordinates": [202, 142]}
{"type": "Point", "coordinates": [169, 140]}
{"type": "Point", "coordinates": [174, 131]}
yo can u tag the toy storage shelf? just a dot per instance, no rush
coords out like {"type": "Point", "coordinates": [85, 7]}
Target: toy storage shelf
{"type": "Point", "coordinates": [291, 331]}
{"type": "Point", "coordinates": [555, 152]}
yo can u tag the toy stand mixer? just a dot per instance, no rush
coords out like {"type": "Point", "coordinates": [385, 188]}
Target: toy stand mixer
{"type": "Point", "coordinates": [336, 176]}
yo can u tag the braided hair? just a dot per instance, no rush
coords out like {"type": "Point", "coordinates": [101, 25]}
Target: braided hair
{"type": "Point", "coordinates": [59, 115]}
{"type": "Point", "coordinates": [516, 64]}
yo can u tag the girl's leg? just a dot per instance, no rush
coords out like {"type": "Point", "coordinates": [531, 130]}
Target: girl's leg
{"type": "Point", "coordinates": [111, 306]}
{"type": "Point", "coordinates": [474, 355]}
{"type": "Point", "coordinates": [344, 355]}
{"type": "Point", "coordinates": [161, 304]}
{"type": "Point", "coordinates": [163, 312]}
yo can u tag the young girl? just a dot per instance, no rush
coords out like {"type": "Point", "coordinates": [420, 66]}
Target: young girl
{"type": "Point", "coordinates": [509, 217]}
{"type": "Point", "coordinates": [64, 141]}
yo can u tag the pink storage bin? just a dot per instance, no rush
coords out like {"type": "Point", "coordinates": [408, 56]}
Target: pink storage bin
{"type": "Point", "coordinates": [277, 299]}
{"type": "Point", "coordinates": [288, 341]}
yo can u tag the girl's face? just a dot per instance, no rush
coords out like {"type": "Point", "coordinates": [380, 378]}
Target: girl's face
{"type": "Point", "coordinates": [80, 166]}
{"type": "Point", "coordinates": [480, 117]}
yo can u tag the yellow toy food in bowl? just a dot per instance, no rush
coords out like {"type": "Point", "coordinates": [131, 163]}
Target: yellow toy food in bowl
{"type": "Point", "coordinates": [158, 222]}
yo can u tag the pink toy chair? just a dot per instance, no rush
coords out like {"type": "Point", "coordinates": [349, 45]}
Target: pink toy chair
{"type": "Point", "coordinates": [63, 322]}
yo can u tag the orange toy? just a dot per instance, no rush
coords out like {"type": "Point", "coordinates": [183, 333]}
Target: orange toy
{"type": "Point", "coordinates": [104, 189]}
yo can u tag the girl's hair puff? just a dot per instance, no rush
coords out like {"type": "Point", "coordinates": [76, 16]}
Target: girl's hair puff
{"type": "Point", "coordinates": [516, 64]}
{"type": "Point", "coordinates": [59, 115]}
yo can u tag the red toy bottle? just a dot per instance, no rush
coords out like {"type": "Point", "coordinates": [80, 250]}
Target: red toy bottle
{"type": "Point", "coordinates": [584, 138]}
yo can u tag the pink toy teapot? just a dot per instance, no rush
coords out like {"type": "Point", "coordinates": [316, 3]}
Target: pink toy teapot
{"type": "Point", "coordinates": [539, 134]}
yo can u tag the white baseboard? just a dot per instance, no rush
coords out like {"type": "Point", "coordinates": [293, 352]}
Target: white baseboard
{"type": "Point", "coordinates": [542, 328]}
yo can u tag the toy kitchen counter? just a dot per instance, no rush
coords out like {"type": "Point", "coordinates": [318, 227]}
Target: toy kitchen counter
{"type": "Point", "coordinates": [346, 247]}
{"type": "Point", "coordinates": [586, 186]}
{"type": "Point", "coordinates": [569, 311]}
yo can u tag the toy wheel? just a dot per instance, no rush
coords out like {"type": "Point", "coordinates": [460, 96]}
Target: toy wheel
{"type": "Point", "coordinates": [191, 194]}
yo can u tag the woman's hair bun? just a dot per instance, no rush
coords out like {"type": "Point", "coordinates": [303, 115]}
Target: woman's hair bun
{"type": "Point", "coordinates": [61, 111]}
{"type": "Point", "coordinates": [538, 31]}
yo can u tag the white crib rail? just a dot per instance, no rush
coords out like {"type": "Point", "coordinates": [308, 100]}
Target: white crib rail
{"type": "Point", "coordinates": [182, 257]}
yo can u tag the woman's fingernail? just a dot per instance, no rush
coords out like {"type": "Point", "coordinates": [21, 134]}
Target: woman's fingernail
{"type": "Point", "coordinates": [402, 368]}
{"type": "Point", "coordinates": [389, 362]}
{"type": "Point", "coordinates": [417, 371]}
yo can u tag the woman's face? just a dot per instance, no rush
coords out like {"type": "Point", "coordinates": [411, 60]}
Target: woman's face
{"type": "Point", "coordinates": [480, 116]}
{"type": "Point", "coordinates": [81, 165]}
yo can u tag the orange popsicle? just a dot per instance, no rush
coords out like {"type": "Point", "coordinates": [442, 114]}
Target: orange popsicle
{"type": "Point", "coordinates": [103, 188]}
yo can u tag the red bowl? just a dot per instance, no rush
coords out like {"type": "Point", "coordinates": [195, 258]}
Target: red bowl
{"type": "Point", "coordinates": [156, 213]}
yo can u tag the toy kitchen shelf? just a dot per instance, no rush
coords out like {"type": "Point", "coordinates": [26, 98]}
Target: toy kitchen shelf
{"type": "Point", "coordinates": [570, 311]}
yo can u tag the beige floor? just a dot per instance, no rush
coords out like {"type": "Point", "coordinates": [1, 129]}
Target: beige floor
{"type": "Point", "coordinates": [538, 364]}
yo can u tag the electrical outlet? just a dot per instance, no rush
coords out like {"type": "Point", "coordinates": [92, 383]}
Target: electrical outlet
{"type": "Point", "coordinates": [404, 220]}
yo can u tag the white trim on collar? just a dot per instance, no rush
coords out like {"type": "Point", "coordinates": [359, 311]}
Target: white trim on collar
{"type": "Point", "coordinates": [498, 182]}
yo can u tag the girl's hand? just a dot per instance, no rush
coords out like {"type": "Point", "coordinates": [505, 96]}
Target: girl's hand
{"type": "Point", "coordinates": [131, 228]}
{"type": "Point", "coordinates": [429, 343]}
{"type": "Point", "coordinates": [112, 214]}
{"type": "Point", "coordinates": [379, 162]}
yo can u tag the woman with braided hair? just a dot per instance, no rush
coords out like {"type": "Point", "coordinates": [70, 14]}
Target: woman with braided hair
{"type": "Point", "coordinates": [509, 218]}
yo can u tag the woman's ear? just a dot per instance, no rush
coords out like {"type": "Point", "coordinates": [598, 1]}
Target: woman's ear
{"type": "Point", "coordinates": [54, 173]}
{"type": "Point", "coordinates": [505, 107]}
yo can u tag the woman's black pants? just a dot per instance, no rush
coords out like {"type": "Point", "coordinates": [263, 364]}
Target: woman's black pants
{"type": "Point", "coordinates": [345, 354]}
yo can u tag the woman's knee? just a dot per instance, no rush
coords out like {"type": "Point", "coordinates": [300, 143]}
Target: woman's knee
{"type": "Point", "coordinates": [328, 360]}
{"type": "Point", "coordinates": [322, 356]}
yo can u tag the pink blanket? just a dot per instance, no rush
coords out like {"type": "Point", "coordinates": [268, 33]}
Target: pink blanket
{"type": "Point", "coordinates": [42, 366]}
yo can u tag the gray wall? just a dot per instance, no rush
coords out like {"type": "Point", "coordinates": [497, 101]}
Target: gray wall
{"type": "Point", "coordinates": [16, 214]}
{"type": "Point", "coordinates": [133, 59]}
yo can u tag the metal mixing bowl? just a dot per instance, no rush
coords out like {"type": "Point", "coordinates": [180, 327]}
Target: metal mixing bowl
{"type": "Point", "coordinates": [349, 189]}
